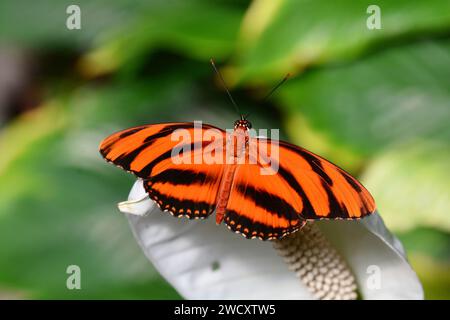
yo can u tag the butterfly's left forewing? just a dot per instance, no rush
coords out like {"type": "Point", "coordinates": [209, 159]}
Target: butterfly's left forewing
{"type": "Point", "coordinates": [169, 158]}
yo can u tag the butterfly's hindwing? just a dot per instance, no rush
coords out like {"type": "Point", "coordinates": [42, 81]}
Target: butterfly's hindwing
{"type": "Point", "coordinates": [261, 206]}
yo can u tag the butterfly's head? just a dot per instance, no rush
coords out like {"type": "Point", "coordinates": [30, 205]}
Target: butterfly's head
{"type": "Point", "coordinates": [243, 124]}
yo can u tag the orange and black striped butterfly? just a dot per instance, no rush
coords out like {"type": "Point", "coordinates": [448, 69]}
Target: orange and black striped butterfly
{"type": "Point", "coordinates": [303, 186]}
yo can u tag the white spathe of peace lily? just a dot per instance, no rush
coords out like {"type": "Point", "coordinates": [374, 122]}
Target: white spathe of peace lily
{"type": "Point", "coordinates": [204, 261]}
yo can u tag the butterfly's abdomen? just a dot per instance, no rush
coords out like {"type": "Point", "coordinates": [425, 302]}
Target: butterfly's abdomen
{"type": "Point", "coordinates": [224, 191]}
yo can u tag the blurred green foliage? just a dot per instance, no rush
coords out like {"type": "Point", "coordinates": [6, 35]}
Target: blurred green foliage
{"type": "Point", "coordinates": [304, 33]}
{"type": "Point", "coordinates": [376, 102]}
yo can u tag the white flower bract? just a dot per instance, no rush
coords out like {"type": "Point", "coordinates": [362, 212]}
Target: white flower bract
{"type": "Point", "coordinates": [204, 261]}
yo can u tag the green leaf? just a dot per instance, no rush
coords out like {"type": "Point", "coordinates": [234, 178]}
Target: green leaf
{"type": "Point", "coordinates": [199, 29]}
{"type": "Point", "coordinates": [411, 186]}
{"type": "Point", "coordinates": [427, 241]}
{"type": "Point", "coordinates": [391, 98]}
{"type": "Point", "coordinates": [286, 36]}
{"type": "Point", "coordinates": [42, 24]}
{"type": "Point", "coordinates": [433, 275]}
{"type": "Point", "coordinates": [429, 254]}
{"type": "Point", "coordinates": [124, 32]}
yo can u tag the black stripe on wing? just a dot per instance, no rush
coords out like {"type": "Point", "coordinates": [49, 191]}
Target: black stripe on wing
{"type": "Point", "coordinates": [190, 147]}
{"type": "Point", "coordinates": [293, 183]}
{"type": "Point", "coordinates": [183, 177]}
{"type": "Point", "coordinates": [337, 210]}
{"type": "Point", "coordinates": [313, 161]}
{"type": "Point", "coordinates": [124, 161]}
{"type": "Point", "coordinates": [163, 132]}
{"type": "Point", "coordinates": [251, 229]}
{"type": "Point", "coordinates": [268, 201]}
{"type": "Point", "coordinates": [179, 207]}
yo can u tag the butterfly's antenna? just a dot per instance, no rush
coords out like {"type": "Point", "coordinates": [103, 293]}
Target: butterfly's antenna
{"type": "Point", "coordinates": [225, 86]}
{"type": "Point", "coordinates": [277, 86]}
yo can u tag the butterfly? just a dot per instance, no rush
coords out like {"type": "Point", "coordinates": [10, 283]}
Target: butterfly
{"type": "Point", "coordinates": [259, 187]}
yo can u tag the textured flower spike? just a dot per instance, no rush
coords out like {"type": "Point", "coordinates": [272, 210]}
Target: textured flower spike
{"type": "Point", "coordinates": [318, 265]}
{"type": "Point", "coordinates": [203, 261]}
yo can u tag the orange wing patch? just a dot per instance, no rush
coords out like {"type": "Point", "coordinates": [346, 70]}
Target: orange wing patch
{"type": "Point", "coordinates": [184, 189]}
{"type": "Point", "coordinates": [139, 150]}
{"type": "Point", "coordinates": [326, 191]}
{"type": "Point", "coordinates": [262, 206]}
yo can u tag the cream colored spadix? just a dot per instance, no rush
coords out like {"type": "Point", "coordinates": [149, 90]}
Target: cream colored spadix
{"type": "Point", "coordinates": [317, 264]}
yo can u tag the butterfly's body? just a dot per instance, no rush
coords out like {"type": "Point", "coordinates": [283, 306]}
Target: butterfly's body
{"type": "Point", "coordinates": [224, 191]}
{"type": "Point", "coordinates": [251, 200]}
{"type": "Point", "coordinates": [239, 142]}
